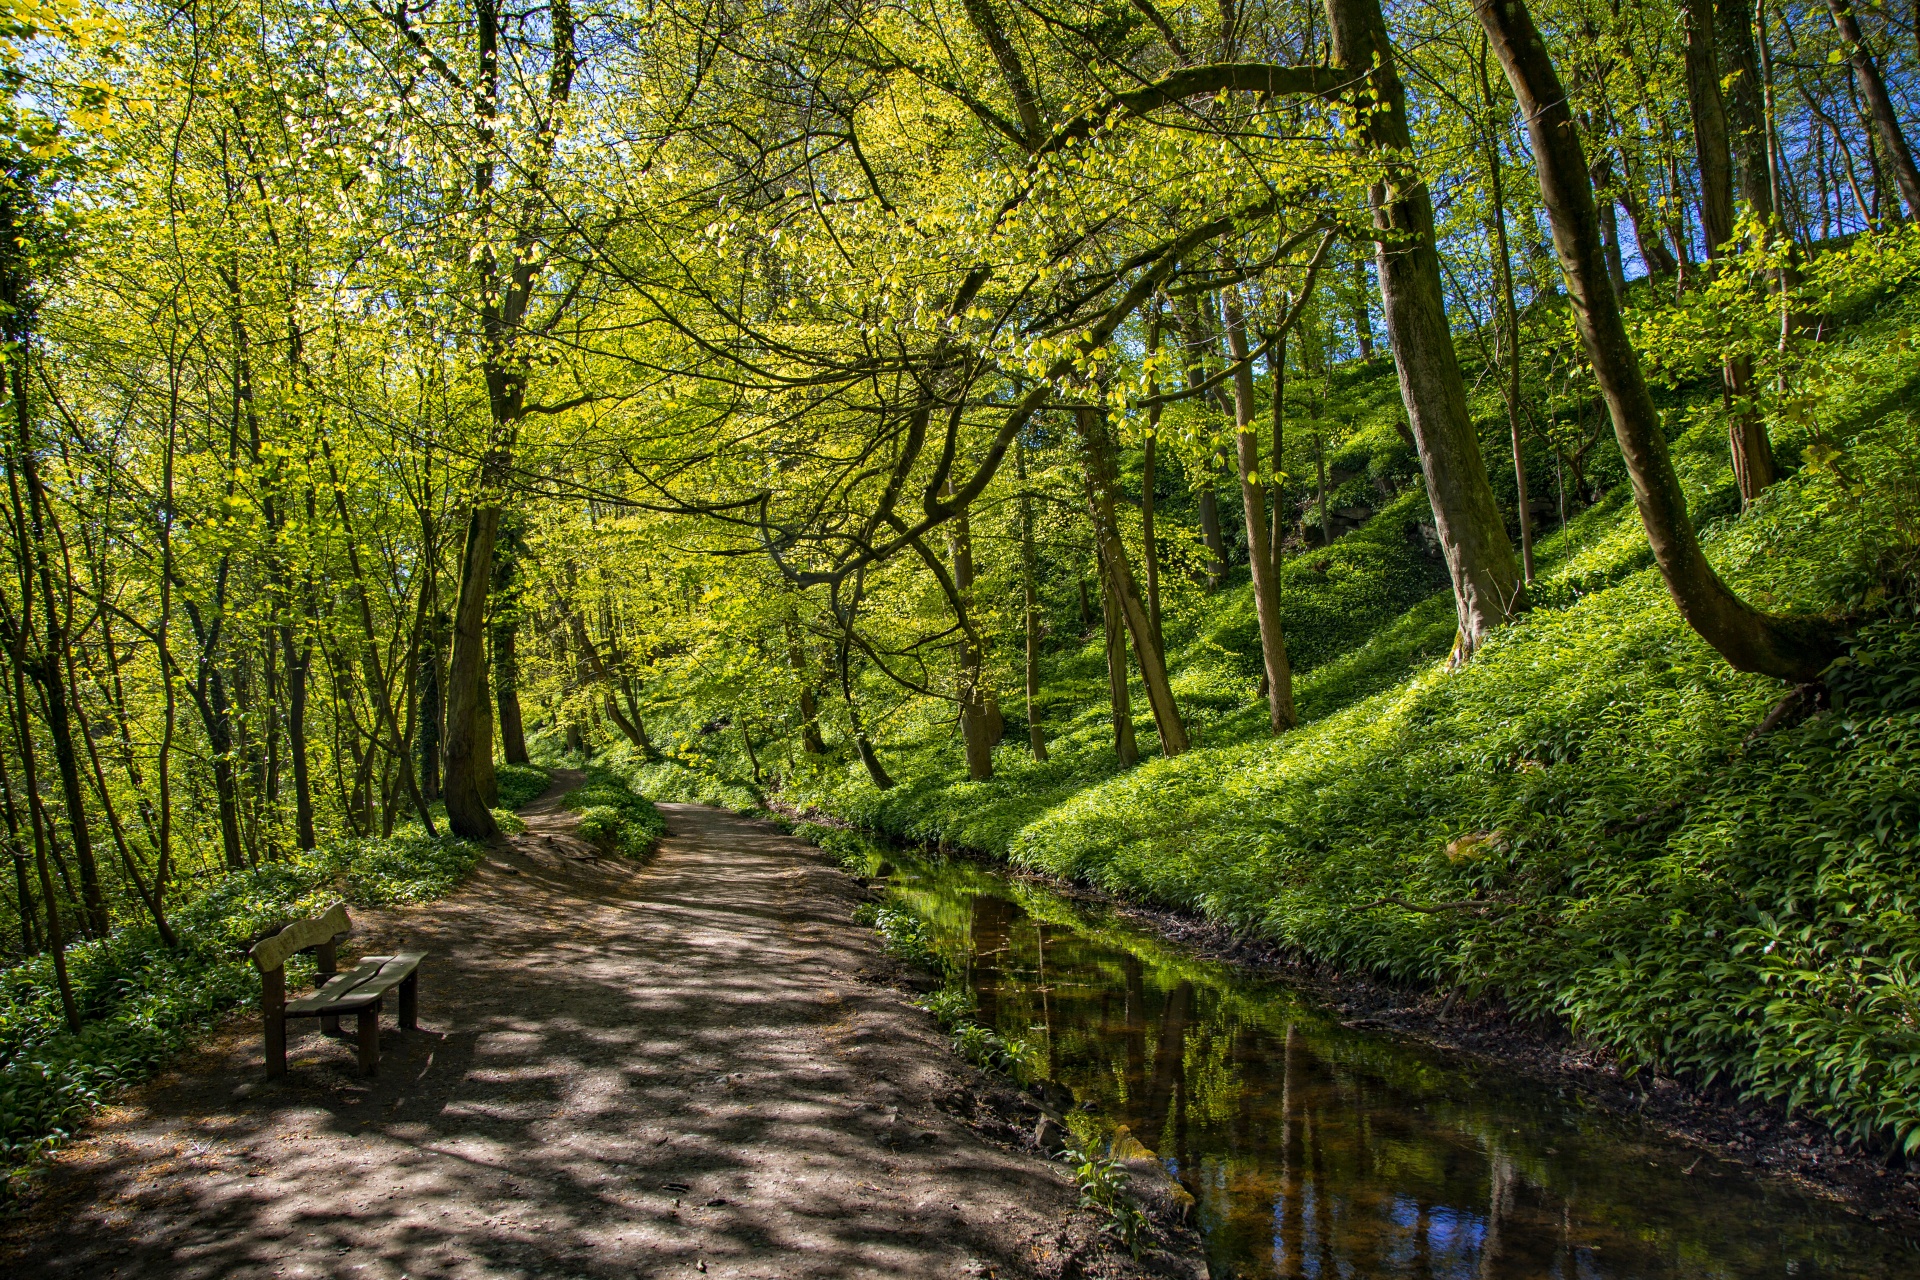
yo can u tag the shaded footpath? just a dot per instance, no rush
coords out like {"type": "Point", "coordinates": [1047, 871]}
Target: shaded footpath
{"type": "Point", "coordinates": [688, 1066]}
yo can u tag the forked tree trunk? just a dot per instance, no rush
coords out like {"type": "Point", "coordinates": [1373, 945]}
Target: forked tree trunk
{"type": "Point", "coordinates": [1793, 648]}
{"type": "Point", "coordinates": [1117, 573]}
{"type": "Point", "coordinates": [1487, 589]}
{"type": "Point", "coordinates": [1266, 585]}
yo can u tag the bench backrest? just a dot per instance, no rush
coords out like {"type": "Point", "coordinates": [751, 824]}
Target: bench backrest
{"type": "Point", "coordinates": [272, 953]}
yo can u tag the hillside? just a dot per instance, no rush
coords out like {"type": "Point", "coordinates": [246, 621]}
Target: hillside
{"type": "Point", "coordinates": [1595, 821]}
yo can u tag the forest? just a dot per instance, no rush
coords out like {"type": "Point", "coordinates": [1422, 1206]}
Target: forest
{"type": "Point", "coordinates": [1432, 486]}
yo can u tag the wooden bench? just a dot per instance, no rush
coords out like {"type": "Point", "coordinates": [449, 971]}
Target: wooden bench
{"type": "Point", "coordinates": [359, 991]}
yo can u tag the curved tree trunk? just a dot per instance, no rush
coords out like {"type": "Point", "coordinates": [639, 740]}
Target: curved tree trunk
{"type": "Point", "coordinates": [1486, 587]}
{"type": "Point", "coordinates": [1793, 648]}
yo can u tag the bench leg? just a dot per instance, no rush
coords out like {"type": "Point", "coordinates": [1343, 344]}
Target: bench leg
{"type": "Point", "coordinates": [370, 1039]}
{"type": "Point", "coordinates": [326, 958]}
{"type": "Point", "coordinates": [273, 1017]}
{"type": "Point", "coordinates": [410, 1001]}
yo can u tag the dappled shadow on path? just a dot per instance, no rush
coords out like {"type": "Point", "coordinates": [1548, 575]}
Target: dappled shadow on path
{"type": "Point", "coordinates": [621, 1070]}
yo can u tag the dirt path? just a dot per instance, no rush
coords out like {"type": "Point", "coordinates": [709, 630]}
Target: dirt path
{"type": "Point", "coordinates": [679, 1068]}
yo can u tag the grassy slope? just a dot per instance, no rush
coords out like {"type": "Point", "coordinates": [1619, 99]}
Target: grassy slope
{"type": "Point", "coordinates": [1739, 912]}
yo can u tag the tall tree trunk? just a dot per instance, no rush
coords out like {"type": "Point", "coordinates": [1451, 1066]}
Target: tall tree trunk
{"type": "Point", "coordinates": [1117, 578]}
{"type": "Point", "coordinates": [433, 709]}
{"type": "Point", "coordinates": [862, 744]}
{"type": "Point", "coordinates": [56, 935]}
{"type": "Point", "coordinates": [1036, 732]}
{"type": "Point", "coordinates": [1866, 72]}
{"type": "Point", "coordinates": [1266, 585]}
{"type": "Point", "coordinates": [1487, 590]}
{"type": "Point", "coordinates": [1600, 170]}
{"type": "Point", "coordinates": [1211, 537]}
{"type": "Point", "coordinates": [297, 656]}
{"type": "Point", "coordinates": [1362, 308]}
{"type": "Point", "coordinates": [1645, 236]}
{"type": "Point", "coordinates": [226, 787]}
{"type": "Point", "coordinates": [17, 854]}
{"type": "Point", "coordinates": [1746, 105]}
{"type": "Point", "coordinates": [484, 777]}
{"type": "Point", "coordinates": [1119, 699]}
{"type": "Point", "coordinates": [1149, 481]}
{"type": "Point", "coordinates": [466, 757]}
{"type": "Point", "coordinates": [1509, 319]}
{"type": "Point", "coordinates": [505, 290]}
{"type": "Point", "coordinates": [1794, 648]}
{"type": "Point", "coordinates": [504, 626]}
{"type": "Point", "coordinates": [976, 727]}
{"type": "Point", "coordinates": [810, 740]}
{"type": "Point", "coordinates": [1752, 451]}
{"type": "Point", "coordinates": [45, 666]}
{"type": "Point", "coordinates": [1711, 141]}
{"type": "Point", "coordinates": [506, 674]}
{"type": "Point", "coordinates": [1276, 520]}
{"type": "Point", "coordinates": [1320, 467]}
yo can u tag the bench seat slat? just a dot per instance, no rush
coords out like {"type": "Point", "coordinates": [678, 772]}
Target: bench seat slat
{"type": "Point", "coordinates": [352, 991]}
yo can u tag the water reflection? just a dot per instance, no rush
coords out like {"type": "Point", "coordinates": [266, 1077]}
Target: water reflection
{"type": "Point", "coordinates": [1314, 1151]}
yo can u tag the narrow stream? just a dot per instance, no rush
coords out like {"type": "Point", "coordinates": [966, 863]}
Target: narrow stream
{"type": "Point", "coordinates": [1317, 1151]}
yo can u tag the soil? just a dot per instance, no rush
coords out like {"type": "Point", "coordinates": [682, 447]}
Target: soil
{"type": "Point", "coordinates": [695, 1064]}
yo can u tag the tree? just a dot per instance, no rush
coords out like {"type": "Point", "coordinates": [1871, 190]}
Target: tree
{"type": "Point", "coordinates": [1793, 648]}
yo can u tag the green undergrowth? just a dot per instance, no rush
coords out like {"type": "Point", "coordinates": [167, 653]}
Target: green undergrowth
{"type": "Point", "coordinates": [1578, 824]}
{"type": "Point", "coordinates": [613, 817]}
{"type": "Point", "coordinates": [520, 784]}
{"type": "Point", "coordinates": [141, 1001]}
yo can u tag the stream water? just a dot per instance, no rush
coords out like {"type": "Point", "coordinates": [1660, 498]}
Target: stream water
{"type": "Point", "coordinates": [1314, 1150]}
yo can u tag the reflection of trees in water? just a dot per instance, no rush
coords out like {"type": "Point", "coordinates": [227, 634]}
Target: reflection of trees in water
{"type": "Point", "coordinates": [1315, 1153]}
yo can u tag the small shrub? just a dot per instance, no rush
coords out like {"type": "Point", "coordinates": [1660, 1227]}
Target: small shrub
{"type": "Point", "coordinates": [612, 817]}
{"type": "Point", "coordinates": [950, 1005]}
{"type": "Point", "coordinates": [1103, 1187]}
{"type": "Point", "coordinates": [520, 784]}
